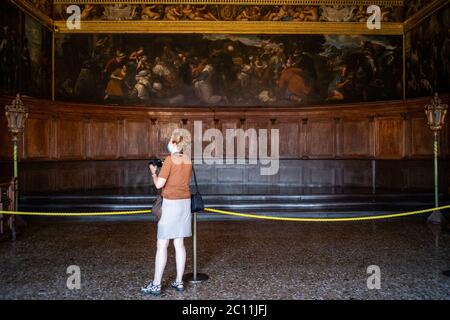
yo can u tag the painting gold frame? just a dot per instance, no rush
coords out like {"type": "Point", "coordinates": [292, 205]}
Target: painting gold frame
{"type": "Point", "coordinates": [230, 27]}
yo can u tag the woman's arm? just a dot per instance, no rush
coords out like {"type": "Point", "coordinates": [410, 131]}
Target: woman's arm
{"type": "Point", "coordinates": [157, 181]}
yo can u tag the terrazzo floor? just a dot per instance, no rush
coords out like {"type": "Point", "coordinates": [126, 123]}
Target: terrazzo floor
{"type": "Point", "coordinates": [244, 259]}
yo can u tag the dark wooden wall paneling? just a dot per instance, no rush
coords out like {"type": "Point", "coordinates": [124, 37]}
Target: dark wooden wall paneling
{"type": "Point", "coordinates": [387, 130]}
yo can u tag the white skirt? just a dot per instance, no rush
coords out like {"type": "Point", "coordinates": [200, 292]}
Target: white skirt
{"type": "Point", "coordinates": [176, 219]}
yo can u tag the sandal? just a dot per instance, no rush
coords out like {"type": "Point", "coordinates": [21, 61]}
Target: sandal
{"type": "Point", "coordinates": [152, 289]}
{"type": "Point", "coordinates": [179, 286]}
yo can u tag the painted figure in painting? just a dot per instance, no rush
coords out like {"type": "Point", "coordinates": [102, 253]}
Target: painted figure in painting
{"type": "Point", "coordinates": [115, 88]}
{"type": "Point", "coordinates": [293, 84]}
{"type": "Point", "coordinates": [143, 87]}
{"type": "Point", "coordinates": [202, 13]}
{"type": "Point", "coordinates": [149, 12]}
{"type": "Point", "coordinates": [245, 15]}
{"type": "Point", "coordinates": [279, 15]}
{"type": "Point", "coordinates": [340, 84]}
{"type": "Point", "coordinates": [114, 63]}
{"type": "Point", "coordinates": [203, 86]}
{"type": "Point", "coordinates": [173, 13]}
{"type": "Point", "coordinates": [87, 12]}
{"type": "Point", "coordinates": [308, 13]}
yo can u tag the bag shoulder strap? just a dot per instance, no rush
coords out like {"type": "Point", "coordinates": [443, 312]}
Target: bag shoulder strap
{"type": "Point", "coordinates": [195, 178]}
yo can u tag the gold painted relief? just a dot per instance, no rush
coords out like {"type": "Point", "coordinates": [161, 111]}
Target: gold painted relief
{"type": "Point", "coordinates": [241, 2]}
{"type": "Point", "coordinates": [215, 18]}
{"type": "Point", "coordinates": [218, 12]}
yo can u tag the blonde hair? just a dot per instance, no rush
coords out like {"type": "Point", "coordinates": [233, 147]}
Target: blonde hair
{"type": "Point", "coordinates": [181, 138]}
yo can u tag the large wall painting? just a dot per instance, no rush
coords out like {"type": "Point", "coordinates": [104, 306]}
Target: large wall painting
{"type": "Point", "coordinates": [227, 70]}
{"type": "Point", "coordinates": [428, 56]}
{"type": "Point", "coordinates": [25, 54]}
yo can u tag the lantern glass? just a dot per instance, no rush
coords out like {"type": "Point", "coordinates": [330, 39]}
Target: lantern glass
{"type": "Point", "coordinates": [19, 120]}
{"type": "Point", "coordinates": [12, 122]}
{"type": "Point", "coordinates": [436, 112]}
{"type": "Point", "coordinates": [436, 117]}
{"type": "Point", "coordinates": [16, 114]}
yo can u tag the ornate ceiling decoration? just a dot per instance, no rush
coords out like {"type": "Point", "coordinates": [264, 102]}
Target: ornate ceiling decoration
{"type": "Point", "coordinates": [241, 2]}
{"type": "Point", "coordinates": [231, 16]}
{"type": "Point", "coordinates": [178, 16]}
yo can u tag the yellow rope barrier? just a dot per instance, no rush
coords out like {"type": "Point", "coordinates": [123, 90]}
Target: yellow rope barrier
{"type": "Point", "coordinates": [74, 214]}
{"type": "Point", "coordinates": [364, 218]}
{"type": "Point", "coordinates": [246, 215]}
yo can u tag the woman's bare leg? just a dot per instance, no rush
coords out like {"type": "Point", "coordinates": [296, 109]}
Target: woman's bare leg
{"type": "Point", "coordinates": [180, 255]}
{"type": "Point", "coordinates": [160, 260]}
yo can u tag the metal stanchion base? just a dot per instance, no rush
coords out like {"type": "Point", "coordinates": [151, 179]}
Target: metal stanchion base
{"type": "Point", "coordinates": [199, 278]}
{"type": "Point", "coordinates": [436, 217]}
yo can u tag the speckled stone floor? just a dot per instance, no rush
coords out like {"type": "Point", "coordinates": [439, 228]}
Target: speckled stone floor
{"type": "Point", "coordinates": [244, 259]}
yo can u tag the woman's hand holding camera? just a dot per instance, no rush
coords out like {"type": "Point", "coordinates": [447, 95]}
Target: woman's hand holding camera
{"type": "Point", "coordinates": [152, 169]}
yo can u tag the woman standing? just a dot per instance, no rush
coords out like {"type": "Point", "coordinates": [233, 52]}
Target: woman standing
{"type": "Point", "coordinates": [175, 222]}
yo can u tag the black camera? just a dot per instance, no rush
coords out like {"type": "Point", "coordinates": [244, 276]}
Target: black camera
{"type": "Point", "coordinates": [156, 162]}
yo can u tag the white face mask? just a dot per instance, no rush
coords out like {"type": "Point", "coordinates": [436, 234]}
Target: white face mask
{"type": "Point", "coordinates": [171, 148]}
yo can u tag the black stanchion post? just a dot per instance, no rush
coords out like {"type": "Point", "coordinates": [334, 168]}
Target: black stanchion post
{"type": "Point", "coordinates": [195, 277]}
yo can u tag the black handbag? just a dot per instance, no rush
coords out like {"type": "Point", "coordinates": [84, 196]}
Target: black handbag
{"type": "Point", "coordinates": [157, 207]}
{"type": "Point", "coordinates": [197, 203]}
